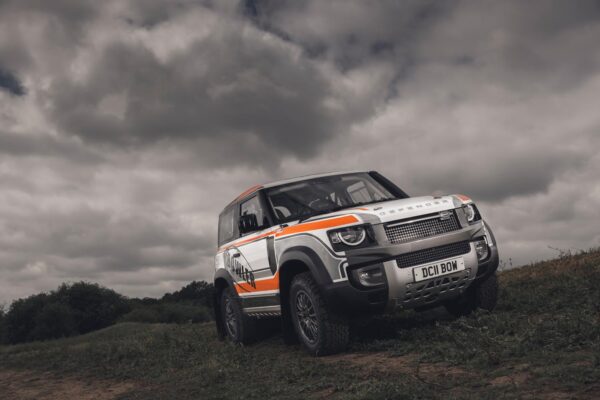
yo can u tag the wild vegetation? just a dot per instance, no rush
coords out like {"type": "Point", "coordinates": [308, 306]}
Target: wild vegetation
{"type": "Point", "coordinates": [78, 308]}
{"type": "Point", "coordinates": [543, 341]}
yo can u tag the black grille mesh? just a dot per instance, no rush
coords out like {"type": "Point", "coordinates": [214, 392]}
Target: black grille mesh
{"type": "Point", "coordinates": [421, 229]}
{"type": "Point", "coordinates": [433, 254]}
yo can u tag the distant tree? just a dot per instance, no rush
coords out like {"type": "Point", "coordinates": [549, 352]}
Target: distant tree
{"type": "Point", "coordinates": [53, 321]}
{"type": "Point", "coordinates": [196, 292]}
{"type": "Point", "coordinates": [82, 307]}
{"type": "Point", "coordinates": [94, 307]}
{"type": "Point", "coordinates": [20, 320]}
{"type": "Point", "coordinates": [169, 313]}
{"type": "Point", "coordinates": [70, 310]}
{"type": "Point", "coordinates": [3, 338]}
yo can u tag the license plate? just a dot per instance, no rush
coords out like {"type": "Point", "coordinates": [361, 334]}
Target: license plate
{"type": "Point", "coordinates": [439, 268]}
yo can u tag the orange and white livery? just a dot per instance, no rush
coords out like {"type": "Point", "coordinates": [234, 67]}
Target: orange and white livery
{"type": "Point", "coordinates": [319, 250]}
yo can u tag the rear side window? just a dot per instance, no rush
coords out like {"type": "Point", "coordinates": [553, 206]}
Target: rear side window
{"type": "Point", "coordinates": [253, 206]}
{"type": "Point", "coordinates": [226, 230]}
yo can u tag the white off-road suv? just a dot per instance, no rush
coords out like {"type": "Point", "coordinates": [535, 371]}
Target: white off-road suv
{"type": "Point", "coordinates": [320, 250]}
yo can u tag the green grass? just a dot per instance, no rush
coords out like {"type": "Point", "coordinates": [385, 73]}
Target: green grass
{"type": "Point", "coordinates": [543, 340]}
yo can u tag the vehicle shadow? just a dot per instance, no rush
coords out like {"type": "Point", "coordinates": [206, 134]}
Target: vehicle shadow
{"type": "Point", "coordinates": [370, 329]}
{"type": "Point", "coordinates": [390, 326]}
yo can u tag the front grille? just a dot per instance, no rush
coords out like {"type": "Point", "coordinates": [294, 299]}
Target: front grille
{"type": "Point", "coordinates": [433, 254]}
{"type": "Point", "coordinates": [426, 226]}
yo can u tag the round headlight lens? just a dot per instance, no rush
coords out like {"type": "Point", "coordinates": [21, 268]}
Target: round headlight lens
{"type": "Point", "coordinates": [352, 236]}
{"type": "Point", "coordinates": [470, 212]}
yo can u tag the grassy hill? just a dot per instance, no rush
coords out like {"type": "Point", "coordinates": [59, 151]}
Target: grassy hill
{"type": "Point", "coordinates": [543, 341]}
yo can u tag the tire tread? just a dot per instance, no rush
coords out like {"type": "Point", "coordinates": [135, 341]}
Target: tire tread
{"type": "Point", "coordinates": [247, 326]}
{"type": "Point", "coordinates": [335, 336]}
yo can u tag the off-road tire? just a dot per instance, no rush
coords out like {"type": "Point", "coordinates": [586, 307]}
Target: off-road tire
{"type": "Point", "coordinates": [482, 295]}
{"type": "Point", "coordinates": [244, 329]}
{"type": "Point", "coordinates": [332, 331]}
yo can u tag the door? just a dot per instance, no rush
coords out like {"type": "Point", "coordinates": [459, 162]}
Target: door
{"type": "Point", "coordinates": [259, 288]}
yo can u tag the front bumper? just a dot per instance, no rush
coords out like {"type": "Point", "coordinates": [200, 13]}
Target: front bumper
{"type": "Point", "coordinates": [400, 291]}
{"type": "Point", "coordinates": [404, 292]}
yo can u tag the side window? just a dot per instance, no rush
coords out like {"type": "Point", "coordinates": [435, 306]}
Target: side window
{"type": "Point", "coordinates": [253, 206]}
{"type": "Point", "coordinates": [226, 225]}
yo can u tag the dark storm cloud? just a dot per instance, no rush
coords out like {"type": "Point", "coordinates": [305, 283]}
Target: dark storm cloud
{"type": "Point", "coordinates": [125, 243]}
{"type": "Point", "coordinates": [142, 119]}
{"type": "Point", "coordinates": [10, 83]}
{"type": "Point", "coordinates": [516, 174]}
{"type": "Point", "coordinates": [350, 32]}
{"type": "Point", "coordinates": [30, 145]}
{"type": "Point", "coordinates": [232, 88]}
{"type": "Point", "coordinates": [202, 96]}
{"type": "Point", "coordinates": [67, 17]}
{"type": "Point", "coordinates": [61, 24]}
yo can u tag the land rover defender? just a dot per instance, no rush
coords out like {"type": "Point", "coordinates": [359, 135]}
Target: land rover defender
{"type": "Point", "coordinates": [317, 251]}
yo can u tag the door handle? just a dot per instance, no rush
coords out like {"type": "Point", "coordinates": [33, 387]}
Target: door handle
{"type": "Point", "coordinates": [235, 254]}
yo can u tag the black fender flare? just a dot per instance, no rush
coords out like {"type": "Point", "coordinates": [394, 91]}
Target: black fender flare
{"type": "Point", "coordinates": [310, 258]}
{"type": "Point", "coordinates": [491, 264]}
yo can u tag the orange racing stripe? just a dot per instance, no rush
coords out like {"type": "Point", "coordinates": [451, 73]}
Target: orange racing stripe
{"type": "Point", "coordinates": [247, 240]}
{"type": "Point", "coordinates": [261, 285]}
{"type": "Point", "coordinates": [323, 224]}
{"type": "Point", "coordinates": [303, 227]}
{"type": "Point", "coordinates": [273, 282]}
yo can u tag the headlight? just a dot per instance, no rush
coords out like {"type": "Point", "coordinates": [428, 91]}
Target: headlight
{"type": "Point", "coordinates": [351, 236]}
{"type": "Point", "coordinates": [471, 213]}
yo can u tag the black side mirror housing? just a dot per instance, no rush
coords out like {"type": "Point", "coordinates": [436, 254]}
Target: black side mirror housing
{"type": "Point", "coordinates": [248, 223]}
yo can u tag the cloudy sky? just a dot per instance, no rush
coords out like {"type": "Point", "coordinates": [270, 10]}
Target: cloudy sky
{"type": "Point", "coordinates": [126, 126]}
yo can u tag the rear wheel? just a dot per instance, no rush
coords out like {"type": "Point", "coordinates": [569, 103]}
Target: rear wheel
{"type": "Point", "coordinates": [483, 295]}
{"type": "Point", "coordinates": [238, 327]}
{"type": "Point", "coordinates": [319, 331]}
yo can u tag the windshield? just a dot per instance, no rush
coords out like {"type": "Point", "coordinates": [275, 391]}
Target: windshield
{"type": "Point", "coordinates": [301, 200]}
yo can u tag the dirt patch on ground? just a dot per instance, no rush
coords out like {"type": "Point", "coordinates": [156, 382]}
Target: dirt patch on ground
{"type": "Point", "coordinates": [407, 364]}
{"type": "Point", "coordinates": [30, 385]}
{"type": "Point", "coordinates": [376, 361]}
{"type": "Point", "coordinates": [517, 379]}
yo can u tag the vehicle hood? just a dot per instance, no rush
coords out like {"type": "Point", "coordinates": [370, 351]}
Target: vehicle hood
{"type": "Point", "coordinates": [399, 209]}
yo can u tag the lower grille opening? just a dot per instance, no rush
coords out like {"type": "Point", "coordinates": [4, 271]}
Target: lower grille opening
{"type": "Point", "coordinates": [428, 292]}
{"type": "Point", "coordinates": [433, 254]}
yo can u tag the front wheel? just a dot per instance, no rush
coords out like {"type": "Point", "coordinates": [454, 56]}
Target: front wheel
{"type": "Point", "coordinates": [238, 327]}
{"type": "Point", "coordinates": [483, 295]}
{"type": "Point", "coordinates": [319, 331]}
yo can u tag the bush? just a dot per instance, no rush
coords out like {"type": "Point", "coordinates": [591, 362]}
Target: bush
{"type": "Point", "coordinates": [3, 338]}
{"type": "Point", "coordinates": [196, 292]}
{"type": "Point", "coordinates": [78, 308]}
{"type": "Point", "coordinates": [53, 321]}
{"type": "Point", "coordinates": [70, 310]}
{"type": "Point", "coordinates": [94, 307]}
{"type": "Point", "coordinates": [168, 313]}
{"type": "Point", "coordinates": [21, 316]}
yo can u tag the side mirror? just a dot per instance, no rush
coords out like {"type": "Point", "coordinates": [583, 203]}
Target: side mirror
{"type": "Point", "coordinates": [248, 223]}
